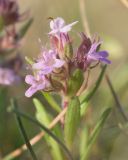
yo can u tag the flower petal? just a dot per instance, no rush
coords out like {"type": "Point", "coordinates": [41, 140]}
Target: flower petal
{"type": "Point", "coordinates": [38, 65]}
{"type": "Point", "coordinates": [40, 86]}
{"type": "Point", "coordinates": [53, 32]}
{"type": "Point", "coordinates": [94, 47]}
{"type": "Point", "coordinates": [58, 26]}
{"type": "Point", "coordinates": [30, 91]}
{"type": "Point", "coordinates": [46, 70]}
{"type": "Point", "coordinates": [103, 53]}
{"type": "Point", "coordinates": [57, 23]}
{"type": "Point", "coordinates": [8, 77]}
{"type": "Point", "coordinates": [105, 60]}
{"type": "Point", "coordinates": [68, 27]}
{"type": "Point", "coordinates": [29, 79]}
{"type": "Point", "coordinates": [59, 63]}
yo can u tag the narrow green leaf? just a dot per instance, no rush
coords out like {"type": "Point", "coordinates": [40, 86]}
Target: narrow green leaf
{"type": "Point", "coordinates": [95, 133]}
{"type": "Point", "coordinates": [41, 114]}
{"type": "Point", "coordinates": [43, 117]}
{"type": "Point", "coordinates": [51, 101]}
{"type": "Point", "coordinates": [31, 119]}
{"type": "Point", "coordinates": [75, 82]}
{"type": "Point", "coordinates": [3, 95]}
{"type": "Point", "coordinates": [3, 103]}
{"type": "Point", "coordinates": [22, 129]}
{"type": "Point", "coordinates": [83, 140]}
{"type": "Point", "coordinates": [1, 23]}
{"type": "Point", "coordinates": [25, 28]}
{"type": "Point", "coordinates": [87, 96]}
{"type": "Point", "coordinates": [55, 150]}
{"type": "Point", "coordinates": [72, 119]}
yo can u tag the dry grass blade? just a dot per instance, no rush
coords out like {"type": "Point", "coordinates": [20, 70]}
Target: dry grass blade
{"type": "Point", "coordinates": [84, 17]}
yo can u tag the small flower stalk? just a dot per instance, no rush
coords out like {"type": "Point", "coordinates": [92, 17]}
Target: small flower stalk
{"type": "Point", "coordinates": [62, 68]}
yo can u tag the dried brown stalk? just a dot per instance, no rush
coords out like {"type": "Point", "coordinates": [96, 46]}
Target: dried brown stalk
{"type": "Point", "coordinates": [84, 17]}
{"type": "Point", "coordinates": [34, 140]}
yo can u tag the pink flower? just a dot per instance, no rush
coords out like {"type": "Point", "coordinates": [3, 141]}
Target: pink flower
{"type": "Point", "coordinates": [58, 26]}
{"type": "Point", "coordinates": [9, 12]}
{"type": "Point", "coordinates": [48, 62]}
{"type": "Point", "coordinates": [37, 83]}
{"type": "Point", "coordinates": [94, 55]}
{"type": "Point", "coordinates": [88, 52]}
{"type": "Point", "coordinates": [8, 77]}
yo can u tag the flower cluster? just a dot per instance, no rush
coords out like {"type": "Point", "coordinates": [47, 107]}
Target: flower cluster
{"type": "Point", "coordinates": [8, 77]}
{"type": "Point", "coordinates": [9, 12]}
{"type": "Point", "coordinates": [9, 17]}
{"type": "Point", "coordinates": [60, 67]}
{"type": "Point", "coordinates": [10, 40]}
{"type": "Point", "coordinates": [9, 71]}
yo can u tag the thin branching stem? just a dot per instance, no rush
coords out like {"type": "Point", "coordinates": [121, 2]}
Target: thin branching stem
{"type": "Point", "coordinates": [117, 101]}
{"type": "Point", "coordinates": [84, 17]}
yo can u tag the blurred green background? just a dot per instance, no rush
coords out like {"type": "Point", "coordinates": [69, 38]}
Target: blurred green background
{"type": "Point", "coordinates": [110, 20]}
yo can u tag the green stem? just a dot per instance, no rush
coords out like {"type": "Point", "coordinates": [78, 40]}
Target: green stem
{"type": "Point", "coordinates": [46, 130]}
{"type": "Point", "coordinates": [22, 129]}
